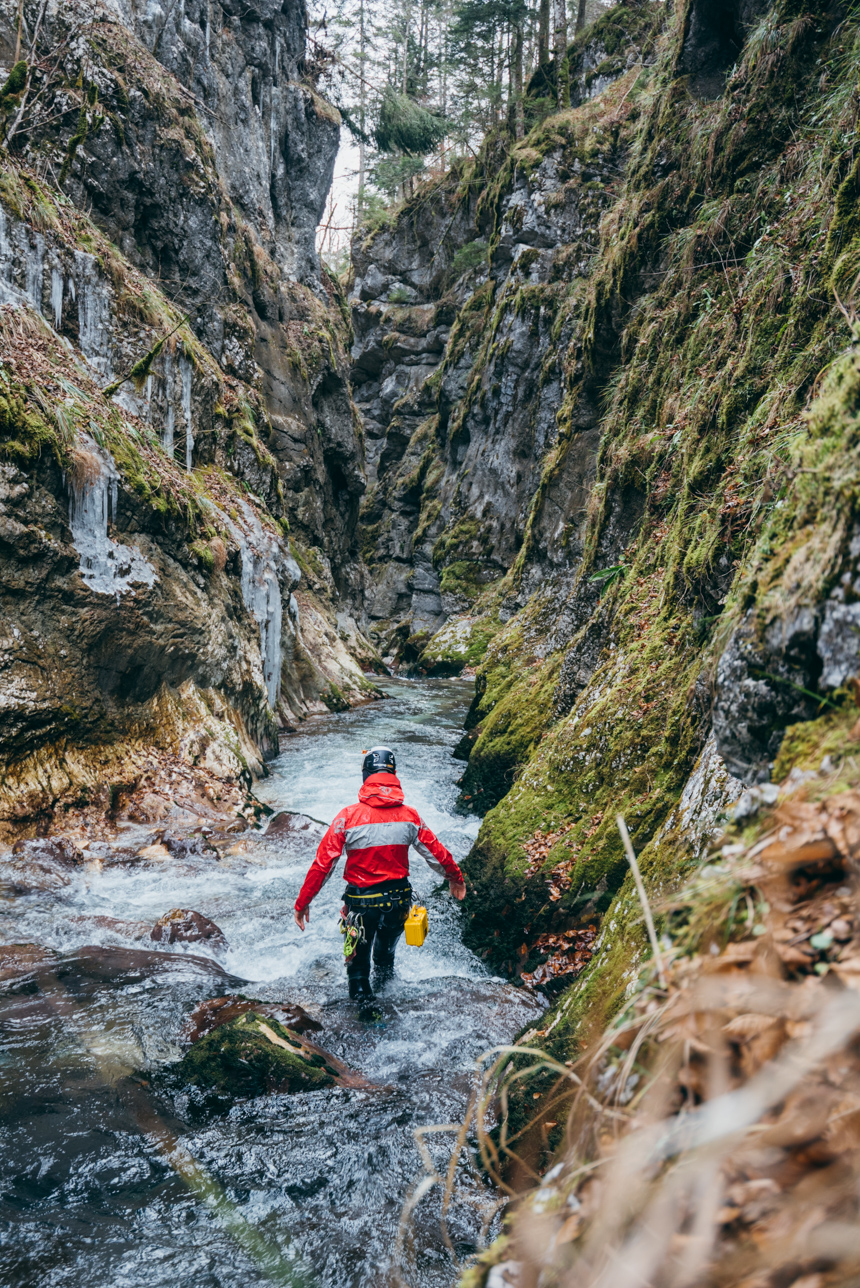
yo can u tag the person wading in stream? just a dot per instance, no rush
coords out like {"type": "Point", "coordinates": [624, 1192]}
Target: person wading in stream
{"type": "Point", "coordinates": [376, 834]}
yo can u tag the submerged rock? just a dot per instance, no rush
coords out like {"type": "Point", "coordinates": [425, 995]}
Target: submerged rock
{"type": "Point", "coordinates": [42, 864]}
{"type": "Point", "coordinates": [184, 926]}
{"type": "Point", "coordinates": [251, 1056]}
{"type": "Point", "coordinates": [49, 850]}
{"type": "Point", "coordinates": [285, 821]}
{"type": "Point", "coordinates": [183, 846]}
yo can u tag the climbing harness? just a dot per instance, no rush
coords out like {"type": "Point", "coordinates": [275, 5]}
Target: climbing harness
{"type": "Point", "coordinates": [398, 895]}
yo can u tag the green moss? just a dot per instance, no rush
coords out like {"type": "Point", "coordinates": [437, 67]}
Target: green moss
{"type": "Point", "coordinates": [238, 1059]}
{"type": "Point", "coordinates": [805, 746]}
{"type": "Point", "coordinates": [334, 698]}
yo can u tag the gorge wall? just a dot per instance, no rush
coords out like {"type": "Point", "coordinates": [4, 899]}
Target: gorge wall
{"type": "Point", "coordinates": [609, 380]}
{"type": "Point", "coordinates": [182, 464]}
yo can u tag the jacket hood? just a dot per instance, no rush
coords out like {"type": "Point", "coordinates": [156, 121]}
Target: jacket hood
{"type": "Point", "coordinates": [381, 790]}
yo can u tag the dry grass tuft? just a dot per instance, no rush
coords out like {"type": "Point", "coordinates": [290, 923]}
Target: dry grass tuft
{"type": "Point", "coordinates": [713, 1133]}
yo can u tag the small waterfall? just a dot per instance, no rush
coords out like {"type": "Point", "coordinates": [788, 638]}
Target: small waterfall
{"type": "Point", "coordinates": [107, 567]}
{"type": "Point", "coordinates": [208, 29]}
{"type": "Point", "coordinates": [186, 372]}
{"type": "Point", "coordinates": [57, 297]}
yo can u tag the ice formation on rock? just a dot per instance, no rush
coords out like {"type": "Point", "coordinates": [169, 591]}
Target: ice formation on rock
{"type": "Point", "coordinates": [186, 372]}
{"type": "Point", "coordinates": [94, 320]}
{"type": "Point", "coordinates": [107, 566]}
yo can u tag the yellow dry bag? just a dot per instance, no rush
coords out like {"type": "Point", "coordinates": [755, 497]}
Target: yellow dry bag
{"type": "Point", "coordinates": [416, 926]}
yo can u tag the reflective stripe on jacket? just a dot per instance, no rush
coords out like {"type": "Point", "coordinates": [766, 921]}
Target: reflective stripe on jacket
{"type": "Point", "coordinates": [376, 834]}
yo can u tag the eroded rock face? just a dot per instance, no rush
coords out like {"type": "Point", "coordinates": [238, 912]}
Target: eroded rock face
{"type": "Point", "coordinates": [461, 312]}
{"type": "Point", "coordinates": [147, 572]}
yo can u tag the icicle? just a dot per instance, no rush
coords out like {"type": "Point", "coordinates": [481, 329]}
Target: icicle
{"type": "Point", "coordinates": [186, 372]}
{"type": "Point", "coordinates": [169, 415]}
{"type": "Point", "coordinates": [34, 270]}
{"type": "Point", "coordinates": [208, 29]}
{"type": "Point", "coordinates": [261, 555]}
{"type": "Point", "coordinates": [93, 314]}
{"type": "Point", "coordinates": [107, 567]}
{"type": "Point", "coordinates": [57, 297]}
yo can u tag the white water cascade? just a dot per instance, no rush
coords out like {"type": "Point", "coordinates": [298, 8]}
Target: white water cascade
{"type": "Point", "coordinates": [107, 566]}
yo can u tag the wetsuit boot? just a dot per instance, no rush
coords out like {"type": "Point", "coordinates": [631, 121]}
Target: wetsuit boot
{"type": "Point", "coordinates": [358, 968]}
{"type": "Point", "coordinates": [359, 989]}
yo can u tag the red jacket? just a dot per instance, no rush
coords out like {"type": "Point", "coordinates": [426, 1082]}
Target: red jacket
{"type": "Point", "coordinates": [376, 835]}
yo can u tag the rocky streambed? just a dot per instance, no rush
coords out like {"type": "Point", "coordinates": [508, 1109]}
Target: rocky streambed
{"type": "Point", "coordinates": [116, 1165]}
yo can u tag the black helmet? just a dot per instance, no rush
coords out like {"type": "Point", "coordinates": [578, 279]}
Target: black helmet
{"type": "Point", "coordinates": [379, 760]}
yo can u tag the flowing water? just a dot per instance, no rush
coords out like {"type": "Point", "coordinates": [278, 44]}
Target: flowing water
{"type": "Point", "coordinates": [108, 1179]}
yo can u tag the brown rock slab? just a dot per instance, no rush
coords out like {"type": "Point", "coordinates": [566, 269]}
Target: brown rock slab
{"type": "Point", "coordinates": [210, 1015]}
{"type": "Point", "coordinates": [185, 926]}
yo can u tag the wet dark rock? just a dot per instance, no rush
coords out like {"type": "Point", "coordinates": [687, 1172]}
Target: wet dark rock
{"type": "Point", "coordinates": [253, 1056]}
{"type": "Point", "coordinates": [49, 850]}
{"type": "Point", "coordinates": [46, 863]}
{"type": "Point", "coordinates": [184, 926]}
{"type": "Point", "coordinates": [20, 959]}
{"type": "Point", "coordinates": [210, 1015]}
{"type": "Point", "coordinates": [286, 822]}
{"type": "Point", "coordinates": [713, 38]}
{"type": "Point", "coordinates": [181, 847]}
{"type": "Point", "coordinates": [765, 681]}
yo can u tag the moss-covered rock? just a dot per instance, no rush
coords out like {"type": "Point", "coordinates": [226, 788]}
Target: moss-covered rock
{"type": "Point", "coordinates": [253, 1056]}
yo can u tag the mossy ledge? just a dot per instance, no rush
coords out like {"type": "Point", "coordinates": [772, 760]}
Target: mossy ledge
{"type": "Point", "coordinates": [653, 561]}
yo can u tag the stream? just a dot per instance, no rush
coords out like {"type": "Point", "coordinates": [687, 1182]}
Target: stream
{"type": "Point", "coordinates": [112, 1181]}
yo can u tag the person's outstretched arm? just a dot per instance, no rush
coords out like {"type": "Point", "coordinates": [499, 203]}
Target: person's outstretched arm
{"type": "Point", "coordinates": [435, 855]}
{"type": "Point", "coordinates": [329, 851]}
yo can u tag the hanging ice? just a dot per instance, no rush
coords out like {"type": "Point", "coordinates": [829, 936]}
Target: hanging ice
{"type": "Point", "coordinates": [107, 567]}
{"type": "Point", "coordinates": [262, 595]}
{"type": "Point", "coordinates": [57, 297]}
{"type": "Point", "coordinates": [34, 270]}
{"type": "Point", "coordinates": [93, 314]}
{"type": "Point", "coordinates": [261, 590]}
{"type": "Point", "coordinates": [186, 372]}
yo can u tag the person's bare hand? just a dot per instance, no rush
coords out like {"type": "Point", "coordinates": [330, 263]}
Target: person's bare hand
{"type": "Point", "coordinates": [458, 889]}
{"type": "Point", "coordinates": [301, 918]}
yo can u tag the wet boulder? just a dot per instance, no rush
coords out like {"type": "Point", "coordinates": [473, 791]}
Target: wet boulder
{"type": "Point", "coordinates": [215, 1012]}
{"type": "Point", "coordinates": [183, 847]}
{"type": "Point", "coordinates": [49, 849]}
{"type": "Point", "coordinates": [43, 864]}
{"type": "Point", "coordinates": [286, 822]}
{"type": "Point", "coordinates": [184, 926]}
{"type": "Point", "coordinates": [255, 1055]}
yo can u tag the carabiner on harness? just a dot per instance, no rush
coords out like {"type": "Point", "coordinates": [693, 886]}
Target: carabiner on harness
{"type": "Point", "coordinates": [352, 929]}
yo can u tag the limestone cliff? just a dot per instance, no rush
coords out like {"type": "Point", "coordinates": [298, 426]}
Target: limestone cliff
{"type": "Point", "coordinates": [181, 461]}
{"type": "Point", "coordinates": [610, 381]}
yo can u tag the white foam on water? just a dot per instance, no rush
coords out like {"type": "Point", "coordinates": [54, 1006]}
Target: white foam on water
{"type": "Point", "coordinates": [107, 566]}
